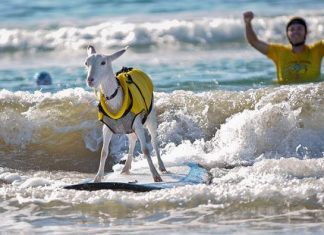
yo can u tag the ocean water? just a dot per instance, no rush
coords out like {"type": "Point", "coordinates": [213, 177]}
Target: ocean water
{"type": "Point", "coordinates": [217, 103]}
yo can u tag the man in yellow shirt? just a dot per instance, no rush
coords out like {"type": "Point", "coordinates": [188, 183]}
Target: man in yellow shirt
{"type": "Point", "coordinates": [295, 63]}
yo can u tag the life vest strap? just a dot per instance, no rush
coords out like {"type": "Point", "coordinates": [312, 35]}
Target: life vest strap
{"type": "Point", "coordinates": [124, 70]}
{"type": "Point", "coordinates": [115, 92]}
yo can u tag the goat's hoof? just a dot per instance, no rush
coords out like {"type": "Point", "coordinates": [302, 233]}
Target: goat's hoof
{"type": "Point", "coordinates": [125, 172]}
{"type": "Point", "coordinates": [163, 170]}
{"type": "Point", "coordinates": [158, 179]}
{"type": "Point", "coordinates": [97, 179]}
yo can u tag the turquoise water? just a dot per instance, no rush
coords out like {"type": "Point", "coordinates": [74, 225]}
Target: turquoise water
{"type": "Point", "coordinates": [17, 12]}
{"type": "Point", "coordinates": [217, 104]}
{"type": "Point", "coordinates": [197, 43]}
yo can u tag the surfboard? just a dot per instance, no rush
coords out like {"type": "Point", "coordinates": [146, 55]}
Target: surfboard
{"type": "Point", "coordinates": [140, 180]}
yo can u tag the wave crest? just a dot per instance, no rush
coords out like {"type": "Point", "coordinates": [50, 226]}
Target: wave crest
{"type": "Point", "coordinates": [169, 32]}
{"type": "Point", "coordinates": [230, 127]}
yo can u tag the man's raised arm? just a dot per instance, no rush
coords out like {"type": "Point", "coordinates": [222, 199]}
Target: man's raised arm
{"type": "Point", "coordinates": [251, 36]}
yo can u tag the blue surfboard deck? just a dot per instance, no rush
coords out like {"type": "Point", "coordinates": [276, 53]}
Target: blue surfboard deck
{"type": "Point", "coordinates": [197, 175]}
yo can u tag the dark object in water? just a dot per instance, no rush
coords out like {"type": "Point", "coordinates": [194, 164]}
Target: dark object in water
{"type": "Point", "coordinates": [43, 78]}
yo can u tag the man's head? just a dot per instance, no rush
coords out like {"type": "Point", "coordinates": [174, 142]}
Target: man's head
{"type": "Point", "coordinates": [296, 31]}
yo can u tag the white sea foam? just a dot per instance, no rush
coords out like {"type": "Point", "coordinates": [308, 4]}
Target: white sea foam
{"type": "Point", "coordinates": [267, 187]}
{"type": "Point", "coordinates": [165, 33]}
{"type": "Point", "coordinates": [35, 182]}
{"type": "Point", "coordinates": [9, 177]}
{"type": "Point", "coordinates": [234, 127]}
{"type": "Point", "coordinates": [296, 180]}
{"type": "Point", "coordinates": [269, 146]}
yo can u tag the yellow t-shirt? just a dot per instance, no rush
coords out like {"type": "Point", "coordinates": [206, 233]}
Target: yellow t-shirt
{"type": "Point", "coordinates": [297, 67]}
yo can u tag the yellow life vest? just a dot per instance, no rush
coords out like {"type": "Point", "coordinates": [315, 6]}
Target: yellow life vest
{"type": "Point", "coordinates": [138, 98]}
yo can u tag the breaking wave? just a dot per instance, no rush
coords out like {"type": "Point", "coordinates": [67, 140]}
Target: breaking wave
{"type": "Point", "coordinates": [205, 31]}
{"type": "Point", "coordinates": [60, 130]}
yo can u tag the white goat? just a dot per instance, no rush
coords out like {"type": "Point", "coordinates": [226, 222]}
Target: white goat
{"type": "Point", "coordinates": [101, 77]}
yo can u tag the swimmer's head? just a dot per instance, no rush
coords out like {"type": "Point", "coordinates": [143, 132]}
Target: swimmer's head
{"type": "Point", "coordinates": [43, 78]}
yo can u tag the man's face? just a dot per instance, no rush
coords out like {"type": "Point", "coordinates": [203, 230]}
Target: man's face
{"type": "Point", "coordinates": [296, 34]}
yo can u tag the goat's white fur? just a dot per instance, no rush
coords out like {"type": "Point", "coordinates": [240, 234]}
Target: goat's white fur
{"type": "Point", "coordinates": [101, 77]}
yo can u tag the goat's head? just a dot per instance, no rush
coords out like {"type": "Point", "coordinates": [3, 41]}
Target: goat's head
{"type": "Point", "coordinates": [99, 66]}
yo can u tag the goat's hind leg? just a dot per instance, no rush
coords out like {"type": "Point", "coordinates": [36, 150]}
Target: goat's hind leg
{"type": "Point", "coordinates": [140, 132]}
{"type": "Point", "coordinates": [151, 125]}
{"type": "Point", "coordinates": [131, 143]}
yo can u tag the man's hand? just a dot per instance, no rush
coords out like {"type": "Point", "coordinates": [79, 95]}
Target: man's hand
{"type": "Point", "coordinates": [248, 16]}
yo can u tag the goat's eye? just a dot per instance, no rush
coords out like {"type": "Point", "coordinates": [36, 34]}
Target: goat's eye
{"type": "Point", "coordinates": [103, 62]}
{"type": "Point", "coordinates": [86, 63]}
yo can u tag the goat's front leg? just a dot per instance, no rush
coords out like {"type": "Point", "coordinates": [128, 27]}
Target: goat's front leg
{"type": "Point", "coordinates": [139, 131]}
{"type": "Point", "coordinates": [106, 135]}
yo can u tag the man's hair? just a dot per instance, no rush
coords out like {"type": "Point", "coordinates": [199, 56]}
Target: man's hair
{"type": "Point", "coordinates": [296, 20]}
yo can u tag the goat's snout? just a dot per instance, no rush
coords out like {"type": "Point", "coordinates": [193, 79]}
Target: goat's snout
{"type": "Point", "coordinates": [90, 81]}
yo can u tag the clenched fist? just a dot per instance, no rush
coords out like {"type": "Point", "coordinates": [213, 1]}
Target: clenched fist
{"type": "Point", "coordinates": [248, 16]}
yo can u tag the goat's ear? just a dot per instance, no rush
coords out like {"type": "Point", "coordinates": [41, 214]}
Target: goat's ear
{"type": "Point", "coordinates": [117, 54]}
{"type": "Point", "coordinates": [91, 50]}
